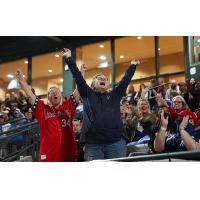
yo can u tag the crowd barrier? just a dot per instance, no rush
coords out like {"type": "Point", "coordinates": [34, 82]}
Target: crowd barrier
{"type": "Point", "coordinates": [175, 156]}
{"type": "Point", "coordinates": [20, 141]}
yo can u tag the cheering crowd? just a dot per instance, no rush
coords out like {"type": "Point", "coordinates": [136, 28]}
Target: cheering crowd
{"type": "Point", "coordinates": [97, 123]}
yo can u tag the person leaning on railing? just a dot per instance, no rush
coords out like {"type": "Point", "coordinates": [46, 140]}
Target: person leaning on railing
{"type": "Point", "coordinates": [55, 121]}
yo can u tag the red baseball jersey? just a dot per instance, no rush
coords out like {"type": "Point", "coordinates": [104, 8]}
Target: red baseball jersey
{"type": "Point", "coordinates": [57, 143]}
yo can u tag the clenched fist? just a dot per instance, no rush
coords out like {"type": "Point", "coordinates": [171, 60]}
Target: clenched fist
{"type": "Point", "coordinates": [135, 62]}
{"type": "Point", "coordinates": [19, 75]}
{"type": "Point", "coordinates": [66, 52]}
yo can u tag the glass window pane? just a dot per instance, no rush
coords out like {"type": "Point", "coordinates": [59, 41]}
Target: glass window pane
{"type": "Point", "coordinates": [171, 54]}
{"type": "Point", "coordinates": [46, 72]}
{"type": "Point", "coordinates": [97, 57]}
{"type": "Point", "coordinates": [7, 73]}
{"type": "Point", "coordinates": [128, 48]}
{"type": "Point", "coordinates": [194, 49]}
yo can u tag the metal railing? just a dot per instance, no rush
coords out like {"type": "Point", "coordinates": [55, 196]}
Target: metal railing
{"type": "Point", "coordinates": [183, 155]}
{"type": "Point", "coordinates": [20, 141]}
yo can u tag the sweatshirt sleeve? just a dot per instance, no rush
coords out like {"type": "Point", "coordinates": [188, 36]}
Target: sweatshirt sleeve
{"type": "Point", "coordinates": [81, 83]}
{"type": "Point", "coordinates": [123, 84]}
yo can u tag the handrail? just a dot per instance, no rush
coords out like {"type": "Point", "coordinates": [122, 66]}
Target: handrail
{"type": "Point", "coordinates": [17, 154]}
{"type": "Point", "coordinates": [187, 155]}
{"type": "Point", "coordinates": [14, 120]}
{"type": "Point", "coordinates": [28, 146]}
{"type": "Point", "coordinates": [18, 128]}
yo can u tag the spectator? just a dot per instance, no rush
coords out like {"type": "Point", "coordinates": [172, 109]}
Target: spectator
{"type": "Point", "coordinates": [131, 95]}
{"type": "Point", "coordinates": [29, 115]}
{"type": "Point", "coordinates": [182, 137]}
{"type": "Point", "coordinates": [142, 93]}
{"type": "Point", "coordinates": [1, 121]}
{"type": "Point", "coordinates": [184, 92]}
{"type": "Point", "coordinates": [144, 134]}
{"type": "Point", "coordinates": [152, 92]}
{"type": "Point", "coordinates": [79, 111]}
{"type": "Point", "coordinates": [143, 109]}
{"type": "Point", "coordinates": [161, 89]}
{"type": "Point", "coordinates": [102, 126]}
{"type": "Point", "coordinates": [22, 102]}
{"type": "Point", "coordinates": [11, 100]}
{"type": "Point", "coordinates": [128, 120]}
{"type": "Point", "coordinates": [173, 88]}
{"type": "Point", "coordinates": [195, 92]}
{"type": "Point", "coordinates": [5, 125]}
{"type": "Point", "coordinates": [77, 125]}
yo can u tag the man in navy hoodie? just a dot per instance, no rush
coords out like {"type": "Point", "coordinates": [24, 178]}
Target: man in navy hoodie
{"type": "Point", "coordinates": [102, 127]}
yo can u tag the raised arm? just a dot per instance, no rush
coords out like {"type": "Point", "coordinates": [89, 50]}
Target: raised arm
{"type": "Point", "coordinates": [81, 83]}
{"type": "Point", "coordinates": [25, 86]}
{"type": "Point", "coordinates": [123, 84]}
{"type": "Point", "coordinates": [159, 142]}
{"type": "Point", "coordinates": [76, 92]}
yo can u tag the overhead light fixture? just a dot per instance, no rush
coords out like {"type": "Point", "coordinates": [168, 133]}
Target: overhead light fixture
{"type": "Point", "coordinates": [121, 56]}
{"type": "Point", "coordinates": [57, 55]}
{"type": "Point", "coordinates": [50, 70]}
{"type": "Point", "coordinates": [10, 76]}
{"type": "Point", "coordinates": [102, 57]}
{"type": "Point", "coordinates": [61, 80]}
{"type": "Point", "coordinates": [14, 84]}
{"type": "Point", "coordinates": [158, 49]}
{"type": "Point", "coordinates": [101, 46]}
{"type": "Point", "coordinates": [139, 37]}
{"type": "Point", "coordinates": [198, 40]}
{"type": "Point", "coordinates": [26, 61]}
{"type": "Point", "coordinates": [103, 65]}
{"type": "Point", "coordinates": [24, 76]}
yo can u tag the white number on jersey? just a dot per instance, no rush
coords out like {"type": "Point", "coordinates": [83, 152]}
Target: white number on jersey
{"type": "Point", "coordinates": [65, 123]}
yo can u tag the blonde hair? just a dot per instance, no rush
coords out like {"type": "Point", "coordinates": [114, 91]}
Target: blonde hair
{"type": "Point", "coordinates": [94, 79]}
{"type": "Point", "coordinates": [139, 104]}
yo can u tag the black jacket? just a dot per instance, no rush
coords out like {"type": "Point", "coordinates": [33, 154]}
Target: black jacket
{"type": "Point", "coordinates": [102, 122]}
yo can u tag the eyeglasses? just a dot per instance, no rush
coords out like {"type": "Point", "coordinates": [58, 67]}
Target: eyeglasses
{"type": "Point", "coordinates": [177, 101]}
{"type": "Point", "coordinates": [101, 78]}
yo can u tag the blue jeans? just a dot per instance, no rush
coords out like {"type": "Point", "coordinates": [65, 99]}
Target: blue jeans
{"type": "Point", "coordinates": [105, 151]}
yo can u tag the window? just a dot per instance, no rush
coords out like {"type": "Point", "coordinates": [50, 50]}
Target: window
{"type": "Point", "coordinates": [129, 48]}
{"type": "Point", "coordinates": [171, 56]}
{"type": "Point", "coordinates": [97, 57]}
{"type": "Point", "coordinates": [46, 72]}
{"type": "Point", "coordinates": [7, 74]}
{"type": "Point", "coordinates": [194, 49]}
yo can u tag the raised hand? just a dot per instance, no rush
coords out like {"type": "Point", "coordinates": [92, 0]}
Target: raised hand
{"type": "Point", "coordinates": [184, 122]}
{"type": "Point", "coordinates": [135, 62]}
{"type": "Point", "coordinates": [164, 121]}
{"type": "Point", "coordinates": [83, 68]}
{"type": "Point", "coordinates": [19, 75]}
{"type": "Point", "coordinates": [160, 101]}
{"type": "Point", "coordinates": [66, 53]}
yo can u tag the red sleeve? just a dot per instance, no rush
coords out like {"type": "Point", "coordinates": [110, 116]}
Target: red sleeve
{"type": "Point", "coordinates": [172, 113]}
{"type": "Point", "coordinates": [38, 109]}
{"type": "Point", "coordinates": [70, 106]}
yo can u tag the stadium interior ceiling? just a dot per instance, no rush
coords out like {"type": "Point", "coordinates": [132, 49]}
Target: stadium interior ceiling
{"type": "Point", "coordinates": [16, 47]}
